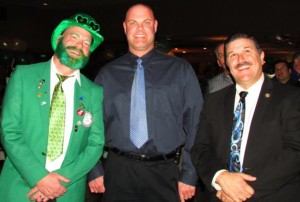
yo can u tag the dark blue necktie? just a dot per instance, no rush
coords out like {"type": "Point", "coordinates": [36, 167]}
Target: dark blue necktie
{"type": "Point", "coordinates": [236, 135]}
{"type": "Point", "coordinates": [138, 117]}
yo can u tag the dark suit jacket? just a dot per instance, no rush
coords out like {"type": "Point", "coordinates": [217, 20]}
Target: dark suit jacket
{"type": "Point", "coordinates": [273, 148]}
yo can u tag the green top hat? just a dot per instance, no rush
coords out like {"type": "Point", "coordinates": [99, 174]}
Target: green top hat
{"type": "Point", "coordinates": [81, 20]}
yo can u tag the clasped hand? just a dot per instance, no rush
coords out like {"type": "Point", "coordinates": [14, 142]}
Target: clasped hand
{"type": "Point", "coordinates": [49, 187]}
{"type": "Point", "coordinates": [234, 187]}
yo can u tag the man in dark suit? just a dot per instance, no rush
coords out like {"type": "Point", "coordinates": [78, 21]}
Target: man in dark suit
{"type": "Point", "coordinates": [269, 150]}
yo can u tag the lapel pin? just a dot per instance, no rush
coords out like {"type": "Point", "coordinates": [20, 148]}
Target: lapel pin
{"type": "Point", "coordinates": [42, 81]}
{"type": "Point", "coordinates": [80, 112]}
{"type": "Point", "coordinates": [87, 119]}
{"type": "Point", "coordinates": [267, 95]}
{"type": "Point", "coordinates": [81, 105]}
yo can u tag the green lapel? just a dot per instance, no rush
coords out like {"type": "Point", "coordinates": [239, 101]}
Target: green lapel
{"type": "Point", "coordinates": [43, 94]}
{"type": "Point", "coordinates": [81, 107]}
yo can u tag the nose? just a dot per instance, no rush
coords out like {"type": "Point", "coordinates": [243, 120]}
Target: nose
{"type": "Point", "coordinates": [79, 44]}
{"type": "Point", "coordinates": [241, 58]}
{"type": "Point", "coordinates": [140, 26]}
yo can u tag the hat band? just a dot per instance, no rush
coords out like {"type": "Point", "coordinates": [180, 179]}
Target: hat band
{"type": "Point", "coordinates": [84, 20]}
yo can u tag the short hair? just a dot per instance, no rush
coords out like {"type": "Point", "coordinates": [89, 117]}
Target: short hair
{"type": "Point", "coordinates": [296, 55]}
{"type": "Point", "coordinates": [241, 36]}
{"type": "Point", "coordinates": [216, 48]}
{"type": "Point", "coordinates": [282, 61]}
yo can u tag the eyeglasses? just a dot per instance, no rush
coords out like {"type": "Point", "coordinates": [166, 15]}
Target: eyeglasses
{"type": "Point", "coordinates": [91, 23]}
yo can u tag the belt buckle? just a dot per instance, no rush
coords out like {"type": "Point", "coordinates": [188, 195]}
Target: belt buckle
{"type": "Point", "coordinates": [143, 157]}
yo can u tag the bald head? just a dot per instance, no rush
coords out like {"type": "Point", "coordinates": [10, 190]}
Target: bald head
{"type": "Point", "coordinates": [139, 7]}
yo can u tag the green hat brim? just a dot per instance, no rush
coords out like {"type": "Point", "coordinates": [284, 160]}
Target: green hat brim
{"type": "Point", "coordinates": [97, 38]}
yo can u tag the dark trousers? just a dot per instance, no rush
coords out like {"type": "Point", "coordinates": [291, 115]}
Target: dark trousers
{"type": "Point", "coordinates": [135, 181]}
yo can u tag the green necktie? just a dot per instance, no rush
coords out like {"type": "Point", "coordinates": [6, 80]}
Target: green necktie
{"type": "Point", "coordinates": [57, 121]}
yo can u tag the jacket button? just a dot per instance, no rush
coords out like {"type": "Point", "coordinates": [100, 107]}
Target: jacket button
{"type": "Point", "coordinates": [44, 153]}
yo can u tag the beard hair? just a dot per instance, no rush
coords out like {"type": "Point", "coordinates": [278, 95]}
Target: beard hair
{"type": "Point", "coordinates": [68, 60]}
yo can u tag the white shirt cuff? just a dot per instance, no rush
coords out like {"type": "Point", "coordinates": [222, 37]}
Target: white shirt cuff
{"type": "Point", "coordinates": [213, 182]}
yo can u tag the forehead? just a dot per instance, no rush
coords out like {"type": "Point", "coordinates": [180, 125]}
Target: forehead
{"type": "Point", "coordinates": [297, 59]}
{"type": "Point", "coordinates": [139, 11]}
{"type": "Point", "coordinates": [220, 48]}
{"type": "Point", "coordinates": [239, 44]}
{"type": "Point", "coordinates": [79, 31]}
{"type": "Point", "coordinates": [280, 64]}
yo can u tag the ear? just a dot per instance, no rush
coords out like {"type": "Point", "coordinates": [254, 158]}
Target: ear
{"type": "Point", "coordinates": [124, 27]}
{"type": "Point", "coordinates": [155, 25]}
{"type": "Point", "coordinates": [262, 57]}
{"type": "Point", "coordinates": [219, 63]}
{"type": "Point", "coordinates": [59, 38]}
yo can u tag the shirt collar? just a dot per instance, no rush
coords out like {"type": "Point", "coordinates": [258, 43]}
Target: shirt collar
{"type": "Point", "coordinates": [75, 74]}
{"type": "Point", "coordinates": [254, 88]}
{"type": "Point", "coordinates": [145, 58]}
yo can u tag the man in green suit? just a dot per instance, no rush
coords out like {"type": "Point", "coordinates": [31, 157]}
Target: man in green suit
{"type": "Point", "coordinates": [29, 172]}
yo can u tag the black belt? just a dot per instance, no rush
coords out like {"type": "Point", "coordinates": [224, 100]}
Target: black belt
{"type": "Point", "coordinates": [143, 157]}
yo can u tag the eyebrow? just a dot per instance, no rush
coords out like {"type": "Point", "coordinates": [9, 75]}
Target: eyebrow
{"type": "Point", "coordinates": [78, 35]}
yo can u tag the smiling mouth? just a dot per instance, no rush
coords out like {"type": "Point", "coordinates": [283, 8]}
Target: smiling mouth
{"type": "Point", "coordinates": [243, 68]}
{"type": "Point", "coordinates": [74, 52]}
{"type": "Point", "coordinates": [139, 36]}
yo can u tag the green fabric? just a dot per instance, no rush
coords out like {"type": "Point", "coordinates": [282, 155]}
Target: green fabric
{"type": "Point", "coordinates": [82, 20]}
{"type": "Point", "coordinates": [24, 134]}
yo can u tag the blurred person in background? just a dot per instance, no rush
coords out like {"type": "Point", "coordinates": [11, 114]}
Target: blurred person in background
{"type": "Point", "coordinates": [223, 79]}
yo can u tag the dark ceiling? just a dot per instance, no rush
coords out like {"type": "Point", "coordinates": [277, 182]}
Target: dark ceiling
{"type": "Point", "coordinates": [189, 25]}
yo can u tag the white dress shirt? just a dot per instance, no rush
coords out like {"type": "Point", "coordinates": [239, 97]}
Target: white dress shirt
{"type": "Point", "coordinates": [250, 103]}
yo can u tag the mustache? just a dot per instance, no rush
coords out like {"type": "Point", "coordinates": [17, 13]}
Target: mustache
{"type": "Point", "coordinates": [243, 64]}
{"type": "Point", "coordinates": [75, 49]}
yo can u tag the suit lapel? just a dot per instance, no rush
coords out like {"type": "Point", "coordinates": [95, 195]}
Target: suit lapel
{"type": "Point", "coordinates": [43, 94]}
{"type": "Point", "coordinates": [260, 110]}
{"type": "Point", "coordinates": [81, 97]}
{"type": "Point", "coordinates": [228, 115]}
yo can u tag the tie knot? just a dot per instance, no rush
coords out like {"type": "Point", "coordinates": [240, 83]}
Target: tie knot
{"type": "Point", "coordinates": [62, 78]}
{"type": "Point", "coordinates": [243, 94]}
{"type": "Point", "coordinates": [139, 61]}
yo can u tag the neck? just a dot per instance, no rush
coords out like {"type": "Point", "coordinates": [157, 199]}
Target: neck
{"type": "Point", "coordinates": [297, 68]}
{"type": "Point", "coordinates": [284, 81]}
{"type": "Point", "coordinates": [62, 69]}
{"type": "Point", "coordinates": [140, 53]}
{"type": "Point", "coordinates": [227, 73]}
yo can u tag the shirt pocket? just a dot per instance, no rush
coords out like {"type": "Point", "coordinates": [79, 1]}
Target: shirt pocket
{"type": "Point", "coordinates": [166, 99]}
